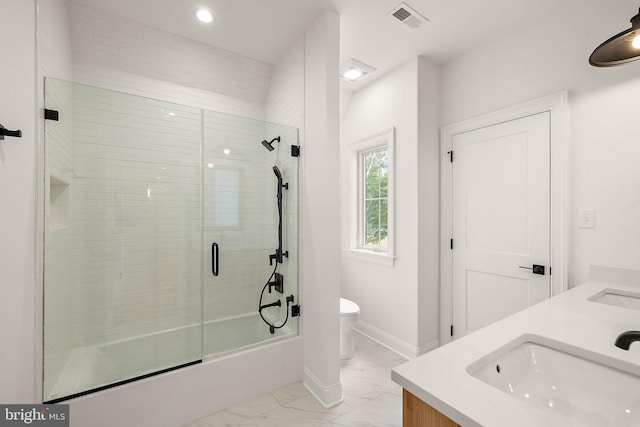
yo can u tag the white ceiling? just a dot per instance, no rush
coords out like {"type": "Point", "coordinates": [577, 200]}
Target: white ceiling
{"type": "Point", "coordinates": [264, 29]}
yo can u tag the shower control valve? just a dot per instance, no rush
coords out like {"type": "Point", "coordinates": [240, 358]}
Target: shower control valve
{"type": "Point", "coordinates": [278, 256]}
{"type": "Point", "coordinates": [277, 284]}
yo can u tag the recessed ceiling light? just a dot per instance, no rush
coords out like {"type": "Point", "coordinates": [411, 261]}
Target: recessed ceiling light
{"type": "Point", "coordinates": [353, 74]}
{"type": "Point", "coordinates": [353, 70]}
{"type": "Point", "coordinates": [204, 15]}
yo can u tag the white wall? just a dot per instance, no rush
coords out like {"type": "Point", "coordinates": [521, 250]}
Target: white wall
{"type": "Point", "coordinates": [18, 196]}
{"type": "Point", "coordinates": [304, 94]}
{"type": "Point", "coordinates": [387, 296]}
{"type": "Point", "coordinates": [428, 165]}
{"type": "Point", "coordinates": [548, 57]}
{"type": "Point", "coordinates": [21, 163]}
{"type": "Point", "coordinates": [605, 177]}
{"type": "Point", "coordinates": [319, 212]}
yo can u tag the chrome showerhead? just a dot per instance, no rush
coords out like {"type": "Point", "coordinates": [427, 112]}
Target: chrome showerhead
{"type": "Point", "coordinates": [276, 170]}
{"type": "Point", "coordinates": [269, 145]}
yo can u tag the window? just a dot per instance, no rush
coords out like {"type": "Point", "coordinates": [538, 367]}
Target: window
{"type": "Point", "coordinates": [373, 194]}
{"type": "Point", "coordinates": [371, 197]}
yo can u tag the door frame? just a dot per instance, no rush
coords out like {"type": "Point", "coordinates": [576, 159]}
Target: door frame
{"type": "Point", "coordinates": [556, 105]}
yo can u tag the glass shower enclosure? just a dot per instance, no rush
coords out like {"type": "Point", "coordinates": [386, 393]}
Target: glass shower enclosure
{"type": "Point", "coordinates": [160, 220]}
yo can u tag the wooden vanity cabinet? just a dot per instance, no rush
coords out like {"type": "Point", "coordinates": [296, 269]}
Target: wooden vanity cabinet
{"type": "Point", "coordinates": [416, 413]}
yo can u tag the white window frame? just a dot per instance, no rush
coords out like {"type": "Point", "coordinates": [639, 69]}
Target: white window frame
{"type": "Point", "coordinates": [379, 140]}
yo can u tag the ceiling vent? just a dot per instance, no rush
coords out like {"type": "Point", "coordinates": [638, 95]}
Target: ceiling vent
{"type": "Point", "coordinates": [407, 16]}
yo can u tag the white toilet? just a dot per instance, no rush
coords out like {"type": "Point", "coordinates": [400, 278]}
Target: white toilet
{"type": "Point", "coordinates": [349, 312]}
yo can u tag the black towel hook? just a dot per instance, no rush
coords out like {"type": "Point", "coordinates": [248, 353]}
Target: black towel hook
{"type": "Point", "coordinates": [6, 132]}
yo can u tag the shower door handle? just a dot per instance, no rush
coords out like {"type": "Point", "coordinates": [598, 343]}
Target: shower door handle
{"type": "Point", "coordinates": [214, 258]}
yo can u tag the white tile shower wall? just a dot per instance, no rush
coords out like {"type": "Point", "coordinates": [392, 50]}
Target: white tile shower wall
{"type": "Point", "coordinates": [234, 205]}
{"type": "Point", "coordinates": [54, 39]}
{"type": "Point", "coordinates": [285, 105]}
{"type": "Point", "coordinates": [144, 86]}
{"type": "Point", "coordinates": [135, 211]}
{"type": "Point", "coordinates": [58, 325]}
{"type": "Point", "coordinates": [288, 165]}
{"type": "Point", "coordinates": [285, 100]}
{"type": "Point", "coordinates": [124, 55]}
{"type": "Point", "coordinates": [240, 214]}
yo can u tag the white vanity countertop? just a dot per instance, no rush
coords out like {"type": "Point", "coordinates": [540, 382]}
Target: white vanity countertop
{"type": "Point", "coordinates": [440, 378]}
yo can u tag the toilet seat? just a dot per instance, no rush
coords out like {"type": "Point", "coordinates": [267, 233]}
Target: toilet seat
{"type": "Point", "coordinates": [348, 308]}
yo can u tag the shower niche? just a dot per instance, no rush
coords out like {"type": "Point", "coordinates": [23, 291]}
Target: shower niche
{"type": "Point", "coordinates": [137, 191]}
{"type": "Point", "coordinates": [58, 203]}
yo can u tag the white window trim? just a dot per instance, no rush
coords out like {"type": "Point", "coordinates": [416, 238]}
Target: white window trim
{"type": "Point", "coordinates": [381, 139]}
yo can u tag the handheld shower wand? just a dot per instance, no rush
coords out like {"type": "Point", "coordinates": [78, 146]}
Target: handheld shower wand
{"type": "Point", "coordinates": [278, 283]}
{"type": "Point", "coordinates": [279, 254]}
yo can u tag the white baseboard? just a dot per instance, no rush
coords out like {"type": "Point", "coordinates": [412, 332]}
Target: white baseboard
{"type": "Point", "coordinates": [393, 343]}
{"type": "Point", "coordinates": [429, 346]}
{"type": "Point", "coordinates": [328, 396]}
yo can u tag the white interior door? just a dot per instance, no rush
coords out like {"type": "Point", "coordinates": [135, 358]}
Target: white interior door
{"type": "Point", "coordinates": [500, 220]}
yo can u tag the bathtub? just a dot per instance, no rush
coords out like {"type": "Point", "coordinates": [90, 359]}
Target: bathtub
{"type": "Point", "coordinates": [241, 332]}
{"type": "Point", "coordinates": [242, 360]}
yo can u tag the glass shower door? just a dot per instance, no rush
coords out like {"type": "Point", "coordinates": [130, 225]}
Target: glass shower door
{"type": "Point", "coordinates": [241, 232]}
{"type": "Point", "coordinates": [123, 262]}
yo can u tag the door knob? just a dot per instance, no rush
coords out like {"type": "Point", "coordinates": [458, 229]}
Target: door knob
{"type": "Point", "coordinates": [536, 269]}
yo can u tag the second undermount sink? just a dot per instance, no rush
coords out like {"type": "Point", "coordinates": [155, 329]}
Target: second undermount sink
{"type": "Point", "coordinates": [617, 297]}
{"type": "Point", "coordinates": [561, 380]}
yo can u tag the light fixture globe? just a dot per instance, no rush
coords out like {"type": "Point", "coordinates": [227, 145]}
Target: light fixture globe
{"type": "Point", "coordinates": [619, 49]}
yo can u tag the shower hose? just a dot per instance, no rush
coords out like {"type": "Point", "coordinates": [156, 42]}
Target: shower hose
{"type": "Point", "coordinates": [272, 327]}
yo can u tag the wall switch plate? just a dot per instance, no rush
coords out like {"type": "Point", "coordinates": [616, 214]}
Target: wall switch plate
{"type": "Point", "coordinates": [586, 218]}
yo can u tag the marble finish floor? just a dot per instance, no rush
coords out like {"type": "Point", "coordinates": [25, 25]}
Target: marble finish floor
{"type": "Point", "coordinates": [370, 398]}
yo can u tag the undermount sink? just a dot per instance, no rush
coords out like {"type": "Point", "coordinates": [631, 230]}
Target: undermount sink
{"type": "Point", "coordinates": [561, 379]}
{"type": "Point", "coordinates": [617, 297]}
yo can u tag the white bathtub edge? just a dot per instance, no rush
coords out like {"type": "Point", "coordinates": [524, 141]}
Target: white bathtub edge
{"type": "Point", "coordinates": [180, 396]}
